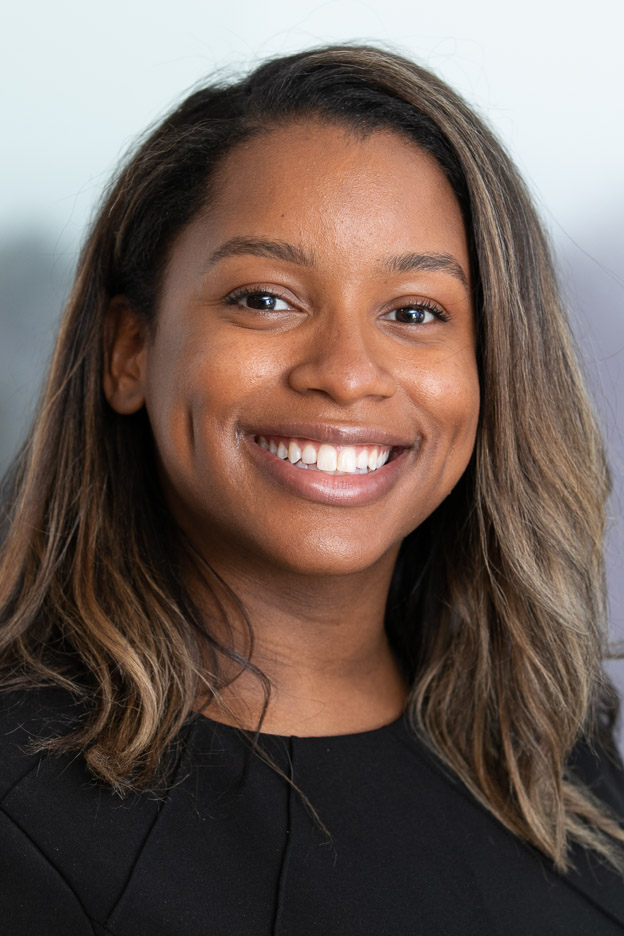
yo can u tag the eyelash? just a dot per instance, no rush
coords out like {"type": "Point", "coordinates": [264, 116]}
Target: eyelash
{"type": "Point", "coordinates": [428, 306]}
{"type": "Point", "coordinates": [234, 298]}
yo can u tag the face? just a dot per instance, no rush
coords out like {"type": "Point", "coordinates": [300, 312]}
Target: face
{"type": "Point", "coordinates": [312, 382]}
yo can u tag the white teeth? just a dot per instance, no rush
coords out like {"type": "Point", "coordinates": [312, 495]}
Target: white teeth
{"type": "Point", "coordinates": [361, 461]}
{"type": "Point", "coordinates": [327, 458]}
{"type": "Point", "coordinates": [308, 456]}
{"type": "Point", "coordinates": [294, 452]}
{"type": "Point", "coordinates": [346, 460]}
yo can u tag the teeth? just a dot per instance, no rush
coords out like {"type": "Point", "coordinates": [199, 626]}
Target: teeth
{"type": "Point", "coordinates": [339, 460]}
{"type": "Point", "coordinates": [346, 460]}
{"type": "Point", "coordinates": [327, 458]}
{"type": "Point", "coordinates": [308, 456]}
{"type": "Point", "coordinates": [294, 453]}
{"type": "Point", "coordinates": [361, 461]}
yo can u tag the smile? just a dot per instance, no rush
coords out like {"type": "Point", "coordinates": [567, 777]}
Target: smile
{"type": "Point", "coordinates": [340, 467]}
{"type": "Point", "coordinates": [331, 459]}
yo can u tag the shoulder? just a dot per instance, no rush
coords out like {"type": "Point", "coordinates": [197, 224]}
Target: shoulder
{"type": "Point", "coordinates": [598, 766]}
{"type": "Point", "coordinates": [59, 825]}
{"type": "Point", "coordinates": [26, 717]}
{"type": "Point", "coordinates": [32, 886]}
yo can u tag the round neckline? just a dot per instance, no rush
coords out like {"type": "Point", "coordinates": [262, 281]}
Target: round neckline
{"type": "Point", "coordinates": [269, 736]}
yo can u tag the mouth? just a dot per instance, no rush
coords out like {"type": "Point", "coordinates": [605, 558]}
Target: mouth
{"type": "Point", "coordinates": [336, 460]}
{"type": "Point", "coordinates": [339, 467]}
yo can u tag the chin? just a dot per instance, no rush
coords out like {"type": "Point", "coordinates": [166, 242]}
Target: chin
{"type": "Point", "coordinates": [333, 555]}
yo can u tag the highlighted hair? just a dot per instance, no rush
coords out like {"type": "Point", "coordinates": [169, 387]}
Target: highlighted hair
{"type": "Point", "coordinates": [497, 605]}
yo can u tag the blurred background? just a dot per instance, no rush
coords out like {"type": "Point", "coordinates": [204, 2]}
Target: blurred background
{"type": "Point", "coordinates": [81, 80]}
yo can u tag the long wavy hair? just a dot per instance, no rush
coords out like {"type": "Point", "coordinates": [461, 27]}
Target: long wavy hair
{"type": "Point", "coordinates": [502, 630]}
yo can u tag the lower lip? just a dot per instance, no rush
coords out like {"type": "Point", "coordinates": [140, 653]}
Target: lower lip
{"type": "Point", "coordinates": [341, 490]}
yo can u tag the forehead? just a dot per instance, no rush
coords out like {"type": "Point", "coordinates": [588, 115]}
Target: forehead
{"type": "Point", "coordinates": [332, 191]}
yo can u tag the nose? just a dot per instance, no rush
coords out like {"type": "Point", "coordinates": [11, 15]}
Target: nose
{"type": "Point", "coordinates": [343, 363]}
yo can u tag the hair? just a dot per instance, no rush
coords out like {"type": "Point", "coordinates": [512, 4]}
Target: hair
{"type": "Point", "coordinates": [503, 630]}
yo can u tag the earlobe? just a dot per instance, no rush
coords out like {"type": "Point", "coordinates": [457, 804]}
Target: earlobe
{"type": "Point", "coordinates": [125, 357]}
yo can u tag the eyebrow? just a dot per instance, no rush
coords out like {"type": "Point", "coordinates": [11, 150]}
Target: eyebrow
{"type": "Point", "coordinates": [281, 250]}
{"type": "Point", "coordinates": [430, 263]}
{"type": "Point", "coordinates": [257, 247]}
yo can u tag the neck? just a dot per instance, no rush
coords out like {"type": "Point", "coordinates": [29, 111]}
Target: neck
{"type": "Point", "coordinates": [321, 642]}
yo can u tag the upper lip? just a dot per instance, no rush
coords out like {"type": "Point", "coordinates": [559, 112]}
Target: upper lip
{"type": "Point", "coordinates": [336, 434]}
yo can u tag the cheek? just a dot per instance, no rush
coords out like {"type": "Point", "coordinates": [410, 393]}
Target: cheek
{"type": "Point", "coordinates": [228, 366]}
{"type": "Point", "coordinates": [450, 395]}
{"type": "Point", "coordinates": [196, 388]}
{"type": "Point", "coordinates": [462, 395]}
{"type": "Point", "coordinates": [175, 379]}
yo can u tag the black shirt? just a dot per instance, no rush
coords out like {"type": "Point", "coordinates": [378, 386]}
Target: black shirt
{"type": "Point", "coordinates": [233, 848]}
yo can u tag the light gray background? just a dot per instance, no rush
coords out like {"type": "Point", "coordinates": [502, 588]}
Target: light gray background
{"type": "Point", "coordinates": [79, 80]}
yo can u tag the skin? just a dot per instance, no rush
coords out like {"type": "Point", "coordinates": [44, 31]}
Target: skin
{"type": "Point", "coordinates": [312, 576]}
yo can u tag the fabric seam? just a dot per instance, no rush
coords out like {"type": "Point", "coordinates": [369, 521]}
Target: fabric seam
{"type": "Point", "coordinates": [90, 920]}
{"type": "Point", "coordinates": [288, 846]}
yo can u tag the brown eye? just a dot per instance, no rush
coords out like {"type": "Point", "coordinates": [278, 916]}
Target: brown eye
{"type": "Point", "coordinates": [258, 300]}
{"type": "Point", "coordinates": [263, 302]}
{"type": "Point", "coordinates": [412, 315]}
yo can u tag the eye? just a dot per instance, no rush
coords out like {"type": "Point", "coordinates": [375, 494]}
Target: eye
{"type": "Point", "coordinates": [259, 300]}
{"type": "Point", "coordinates": [417, 313]}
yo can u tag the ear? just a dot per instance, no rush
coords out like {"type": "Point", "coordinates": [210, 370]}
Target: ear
{"type": "Point", "coordinates": [125, 357]}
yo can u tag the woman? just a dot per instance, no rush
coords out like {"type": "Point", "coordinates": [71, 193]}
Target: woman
{"type": "Point", "coordinates": [302, 582]}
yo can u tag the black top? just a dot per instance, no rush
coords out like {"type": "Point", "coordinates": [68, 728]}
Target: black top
{"type": "Point", "coordinates": [232, 849]}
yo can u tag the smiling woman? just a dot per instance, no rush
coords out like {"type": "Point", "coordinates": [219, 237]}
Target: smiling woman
{"type": "Point", "coordinates": [305, 547]}
{"type": "Point", "coordinates": [310, 349]}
